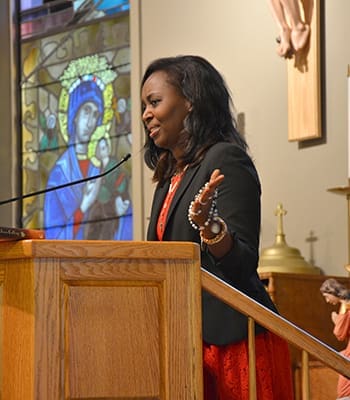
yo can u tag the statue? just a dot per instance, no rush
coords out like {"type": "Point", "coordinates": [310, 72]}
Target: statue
{"type": "Point", "coordinates": [336, 293]}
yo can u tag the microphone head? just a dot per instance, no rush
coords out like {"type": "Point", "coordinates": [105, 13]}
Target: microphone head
{"type": "Point", "coordinates": [126, 157]}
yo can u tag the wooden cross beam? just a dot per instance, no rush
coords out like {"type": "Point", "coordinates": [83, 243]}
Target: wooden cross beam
{"type": "Point", "coordinates": [304, 81]}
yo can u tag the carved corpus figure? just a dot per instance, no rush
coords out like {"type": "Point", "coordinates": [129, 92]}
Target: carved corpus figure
{"type": "Point", "coordinates": [293, 31]}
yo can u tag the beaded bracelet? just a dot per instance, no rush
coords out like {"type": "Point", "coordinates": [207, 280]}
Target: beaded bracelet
{"type": "Point", "coordinates": [213, 212]}
{"type": "Point", "coordinates": [216, 239]}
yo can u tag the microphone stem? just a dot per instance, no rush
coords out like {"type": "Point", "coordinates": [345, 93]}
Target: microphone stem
{"type": "Point", "coordinates": [89, 178]}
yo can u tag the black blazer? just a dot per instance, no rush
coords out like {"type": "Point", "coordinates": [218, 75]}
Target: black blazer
{"type": "Point", "coordinates": [239, 205]}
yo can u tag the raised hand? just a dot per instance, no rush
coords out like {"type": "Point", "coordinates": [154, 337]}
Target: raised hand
{"type": "Point", "coordinates": [203, 207]}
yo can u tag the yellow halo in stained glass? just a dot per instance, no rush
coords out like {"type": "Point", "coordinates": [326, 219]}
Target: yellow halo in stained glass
{"type": "Point", "coordinates": [77, 71]}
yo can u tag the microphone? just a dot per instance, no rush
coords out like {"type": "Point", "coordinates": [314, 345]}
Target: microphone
{"type": "Point", "coordinates": [89, 178]}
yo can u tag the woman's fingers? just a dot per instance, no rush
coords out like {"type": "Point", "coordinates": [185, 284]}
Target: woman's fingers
{"type": "Point", "coordinates": [201, 205]}
{"type": "Point", "coordinates": [208, 190]}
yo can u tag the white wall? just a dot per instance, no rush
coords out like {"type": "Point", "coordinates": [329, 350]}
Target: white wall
{"type": "Point", "coordinates": [238, 37]}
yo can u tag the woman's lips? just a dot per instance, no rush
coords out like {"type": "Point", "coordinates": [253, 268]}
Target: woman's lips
{"type": "Point", "coordinates": [153, 132]}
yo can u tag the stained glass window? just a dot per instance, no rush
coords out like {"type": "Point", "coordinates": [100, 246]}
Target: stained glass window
{"type": "Point", "coordinates": [43, 16]}
{"type": "Point", "coordinates": [76, 125]}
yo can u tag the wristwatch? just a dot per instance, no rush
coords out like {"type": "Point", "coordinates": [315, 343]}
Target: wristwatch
{"type": "Point", "coordinates": [216, 226]}
{"type": "Point", "coordinates": [219, 228]}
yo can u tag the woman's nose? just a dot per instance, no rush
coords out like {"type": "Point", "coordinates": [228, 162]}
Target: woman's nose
{"type": "Point", "coordinates": [146, 115]}
{"type": "Point", "coordinates": [91, 121]}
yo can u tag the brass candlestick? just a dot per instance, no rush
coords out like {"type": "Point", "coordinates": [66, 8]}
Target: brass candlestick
{"type": "Point", "coordinates": [345, 191]}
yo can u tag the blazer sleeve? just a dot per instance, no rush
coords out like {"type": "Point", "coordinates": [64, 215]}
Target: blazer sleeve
{"type": "Point", "coordinates": [238, 204]}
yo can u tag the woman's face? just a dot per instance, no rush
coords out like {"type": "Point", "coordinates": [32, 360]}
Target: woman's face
{"type": "Point", "coordinates": [86, 121]}
{"type": "Point", "coordinates": [164, 111]}
{"type": "Point", "coordinates": [330, 298]}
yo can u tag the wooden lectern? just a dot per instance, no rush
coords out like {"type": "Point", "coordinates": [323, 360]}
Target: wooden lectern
{"type": "Point", "coordinates": [100, 320]}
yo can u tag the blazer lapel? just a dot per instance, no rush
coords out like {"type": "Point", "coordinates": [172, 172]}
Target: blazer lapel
{"type": "Point", "coordinates": [185, 181]}
{"type": "Point", "coordinates": [159, 198]}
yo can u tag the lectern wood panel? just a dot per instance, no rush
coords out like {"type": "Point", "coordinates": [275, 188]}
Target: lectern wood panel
{"type": "Point", "coordinates": [101, 320]}
{"type": "Point", "coordinates": [103, 365]}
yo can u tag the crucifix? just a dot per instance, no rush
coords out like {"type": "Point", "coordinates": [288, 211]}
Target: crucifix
{"type": "Point", "coordinates": [299, 44]}
{"type": "Point", "coordinates": [311, 239]}
{"type": "Point", "coordinates": [280, 213]}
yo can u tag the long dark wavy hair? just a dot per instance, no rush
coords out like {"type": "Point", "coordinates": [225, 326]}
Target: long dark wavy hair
{"type": "Point", "coordinates": [332, 286]}
{"type": "Point", "coordinates": [211, 119]}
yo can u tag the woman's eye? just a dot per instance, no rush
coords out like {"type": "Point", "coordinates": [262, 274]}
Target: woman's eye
{"type": "Point", "coordinates": [154, 102]}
